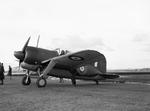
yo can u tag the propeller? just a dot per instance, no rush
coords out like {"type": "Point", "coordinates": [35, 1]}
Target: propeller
{"type": "Point", "coordinates": [25, 46]}
{"type": "Point", "coordinates": [21, 54]}
{"type": "Point", "coordinates": [38, 41]}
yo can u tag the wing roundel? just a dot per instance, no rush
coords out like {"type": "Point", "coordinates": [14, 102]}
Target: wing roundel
{"type": "Point", "coordinates": [75, 58]}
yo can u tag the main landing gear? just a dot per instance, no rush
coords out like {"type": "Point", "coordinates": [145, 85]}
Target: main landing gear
{"type": "Point", "coordinates": [26, 80]}
{"type": "Point", "coordinates": [73, 80]}
{"type": "Point", "coordinates": [41, 82]}
{"type": "Point", "coordinates": [97, 82]}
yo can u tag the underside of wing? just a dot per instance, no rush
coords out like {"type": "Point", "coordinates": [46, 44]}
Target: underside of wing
{"type": "Point", "coordinates": [109, 76]}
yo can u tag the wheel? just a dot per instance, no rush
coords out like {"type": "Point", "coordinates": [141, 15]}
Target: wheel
{"type": "Point", "coordinates": [26, 80]}
{"type": "Point", "coordinates": [41, 82]}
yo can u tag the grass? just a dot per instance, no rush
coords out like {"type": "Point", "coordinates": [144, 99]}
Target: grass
{"type": "Point", "coordinates": [86, 96]}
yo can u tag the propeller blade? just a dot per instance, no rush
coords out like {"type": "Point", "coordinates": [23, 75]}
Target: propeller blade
{"type": "Point", "coordinates": [38, 41]}
{"type": "Point", "coordinates": [25, 46]}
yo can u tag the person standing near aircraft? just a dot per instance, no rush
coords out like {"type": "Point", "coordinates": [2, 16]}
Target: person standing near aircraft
{"type": "Point", "coordinates": [10, 72]}
{"type": "Point", "coordinates": [2, 77]}
{"type": "Point", "coordinates": [61, 79]}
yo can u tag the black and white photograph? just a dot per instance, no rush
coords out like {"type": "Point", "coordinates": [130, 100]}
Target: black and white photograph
{"type": "Point", "coordinates": [74, 55]}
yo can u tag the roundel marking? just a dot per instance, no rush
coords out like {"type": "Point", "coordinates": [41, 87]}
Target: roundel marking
{"type": "Point", "coordinates": [82, 69]}
{"type": "Point", "coordinates": [75, 58]}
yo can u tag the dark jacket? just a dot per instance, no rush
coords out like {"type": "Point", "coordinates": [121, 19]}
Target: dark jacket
{"type": "Point", "coordinates": [2, 72]}
{"type": "Point", "coordinates": [9, 71]}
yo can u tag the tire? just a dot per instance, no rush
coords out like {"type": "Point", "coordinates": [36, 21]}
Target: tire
{"type": "Point", "coordinates": [41, 82]}
{"type": "Point", "coordinates": [26, 82]}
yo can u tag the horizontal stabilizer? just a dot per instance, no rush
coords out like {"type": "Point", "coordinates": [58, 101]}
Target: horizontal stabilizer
{"type": "Point", "coordinates": [109, 76]}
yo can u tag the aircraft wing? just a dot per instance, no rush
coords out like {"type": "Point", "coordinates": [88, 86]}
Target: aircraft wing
{"type": "Point", "coordinates": [72, 60]}
{"type": "Point", "coordinates": [75, 59]}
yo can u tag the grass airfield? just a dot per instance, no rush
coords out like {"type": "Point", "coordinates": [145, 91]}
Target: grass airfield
{"type": "Point", "coordinates": [86, 96]}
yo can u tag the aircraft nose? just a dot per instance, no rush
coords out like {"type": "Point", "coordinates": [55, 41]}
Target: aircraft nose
{"type": "Point", "coordinates": [19, 55]}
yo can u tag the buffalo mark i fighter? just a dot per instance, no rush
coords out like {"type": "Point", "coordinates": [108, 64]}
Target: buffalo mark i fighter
{"type": "Point", "coordinates": [83, 65]}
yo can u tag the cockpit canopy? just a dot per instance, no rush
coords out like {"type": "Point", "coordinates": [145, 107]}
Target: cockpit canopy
{"type": "Point", "coordinates": [61, 51]}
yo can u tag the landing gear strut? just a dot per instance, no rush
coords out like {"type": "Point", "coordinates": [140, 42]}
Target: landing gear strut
{"type": "Point", "coordinates": [97, 82]}
{"type": "Point", "coordinates": [41, 80]}
{"type": "Point", "coordinates": [73, 81]}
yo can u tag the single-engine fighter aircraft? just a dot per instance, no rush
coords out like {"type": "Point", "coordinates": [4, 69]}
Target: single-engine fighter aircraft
{"type": "Point", "coordinates": [83, 65]}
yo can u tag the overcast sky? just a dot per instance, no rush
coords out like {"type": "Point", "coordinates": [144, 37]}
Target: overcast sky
{"type": "Point", "coordinates": [120, 29]}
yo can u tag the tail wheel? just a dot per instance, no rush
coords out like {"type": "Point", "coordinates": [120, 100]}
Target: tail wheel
{"type": "Point", "coordinates": [41, 82]}
{"type": "Point", "coordinates": [26, 80]}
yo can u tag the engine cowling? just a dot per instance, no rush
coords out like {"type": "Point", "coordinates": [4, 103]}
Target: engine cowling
{"type": "Point", "coordinates": [35, 55]}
